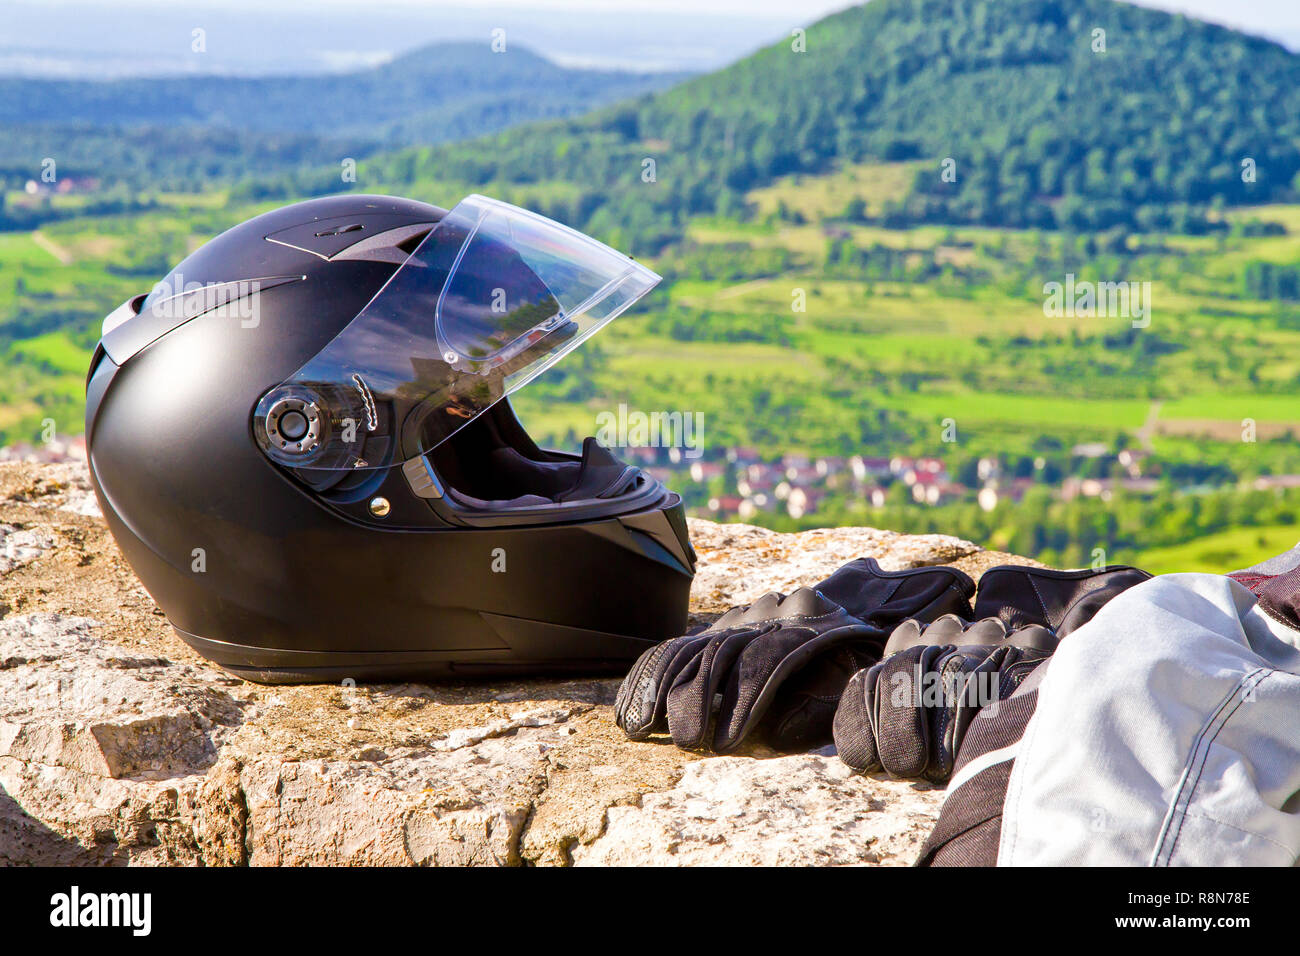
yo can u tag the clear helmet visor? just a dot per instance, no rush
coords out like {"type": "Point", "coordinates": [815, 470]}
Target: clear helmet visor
{"type": "Point", "coordinates": [491, 298]}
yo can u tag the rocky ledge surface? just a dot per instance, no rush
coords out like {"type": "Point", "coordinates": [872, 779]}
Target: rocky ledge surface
{"type": "Point", "coordinates": [119, 745]}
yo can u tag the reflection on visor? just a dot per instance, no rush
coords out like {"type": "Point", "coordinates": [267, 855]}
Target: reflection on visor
{"type": "Point", "coordinates": [491, 298]}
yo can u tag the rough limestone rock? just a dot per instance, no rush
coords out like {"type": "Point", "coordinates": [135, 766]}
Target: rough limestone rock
{"type": "Point", "coordinates": [119, 745]}
{"type": "Point", "coordinates": [800, 810]}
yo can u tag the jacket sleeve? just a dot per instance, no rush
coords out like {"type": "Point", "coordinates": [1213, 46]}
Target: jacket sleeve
{"type": "Point", "coordinates": [1167, 732]}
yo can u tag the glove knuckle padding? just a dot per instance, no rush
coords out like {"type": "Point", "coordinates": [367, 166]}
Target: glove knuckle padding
{"type": "Point", "coordinates": [781, 663]}
{"type": "Point", "coordinates": [917, 704]}
{"type": "Point", "coordinates": [946, 629]}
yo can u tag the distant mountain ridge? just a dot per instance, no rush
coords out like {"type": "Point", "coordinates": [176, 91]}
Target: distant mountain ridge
{"type": "Point", "coordinates": [414, 91]}
{"type": "Point", "coordinates": [220, 124]}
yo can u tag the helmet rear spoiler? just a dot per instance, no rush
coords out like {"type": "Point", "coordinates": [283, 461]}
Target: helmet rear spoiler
{"type": "Point", "coordinates": [133, 325]}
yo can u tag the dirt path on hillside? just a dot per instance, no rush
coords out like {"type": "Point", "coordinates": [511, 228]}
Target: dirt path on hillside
{"type": "Point", "coordinates": [52, 247]}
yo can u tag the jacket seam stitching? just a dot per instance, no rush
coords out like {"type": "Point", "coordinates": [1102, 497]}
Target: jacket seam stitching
{"type": "Point", "coordinates": [1039, 594]}
{"type": "Point", "coordinates": [1193, 760]}
{"type": "Point", "coordinates": [1199, 757]}
{"type": "Point", "coordinates": [1196, 760]}
{"type": "Point", "coordinates": [1267, 608]}
{"type": "Point", "coordinates": [1222, 823]}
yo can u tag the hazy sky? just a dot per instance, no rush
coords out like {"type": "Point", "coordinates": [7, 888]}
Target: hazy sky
{"type": "Point", "coordinates": [1260, 14]}
{"type": "Point", "coordinates": [125, 37]}
{"type": "Point", "coordinates": [1245, 11]}
{"type": "Point", "coordinates": [1277, 18]}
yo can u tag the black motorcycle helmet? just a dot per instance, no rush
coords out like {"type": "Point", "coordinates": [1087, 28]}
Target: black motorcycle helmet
{"type": "Point", "coordinates": [303, 444]}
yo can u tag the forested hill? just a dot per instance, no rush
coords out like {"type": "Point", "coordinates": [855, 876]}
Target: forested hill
{"type": "Point", "coordinates": [1049, 121]}
{"type": "Point", "coordinates": [183, 132]}
{"type": "Point", "coordinates": [427, 94]}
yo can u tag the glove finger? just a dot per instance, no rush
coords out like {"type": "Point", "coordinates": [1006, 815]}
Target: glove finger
{"type": "Point", "coordinates": [802, 711]}
{"type": "Point", "coordinates": [641, 705]}
{"type": "Point", "coordinates": [782, 664]}
{"type": "Point", "coordinates": [633, 680]}
{"type": "Point", "coordinates": [912, 633]}
{"type": "Point", "coordinates": [647, 670]}
{"type": "Point", "coordinates": [988, 631]}
{"type": "Point", "coordinates": [855, 740]}
{"type": "Point", "coordinates": [903, 692]}
{"type": "Point", "coordinates": [635, 703]}
{"type": "Point", "coordinates": [966, 679]}
{"type": "Point", "coordinates": [690, 698]}
{"type": "Point", "coordinates": [796, 627]}
{"type": "Point", "coordinates": [748, 678]}
{"type": "Point", "coordinates": [1016, 664]}
{"type": "Point", "coordinates": [1034, 637]}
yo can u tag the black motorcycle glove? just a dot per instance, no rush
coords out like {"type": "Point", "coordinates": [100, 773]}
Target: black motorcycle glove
{"type": "Point", "coordinates": [1061, 601]}
{"type": "Point", "coordinates": [779, 665]}
{"type": "Point", "coordinates": [907, 714]}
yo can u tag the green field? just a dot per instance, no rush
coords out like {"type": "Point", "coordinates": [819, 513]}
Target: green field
{"type": "Point", "coordinates": [1282, 408]}
{"type": "Point", "coordinates": [1045, 411]}
{"type": "Point", "coordinates": [1222, 552]}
